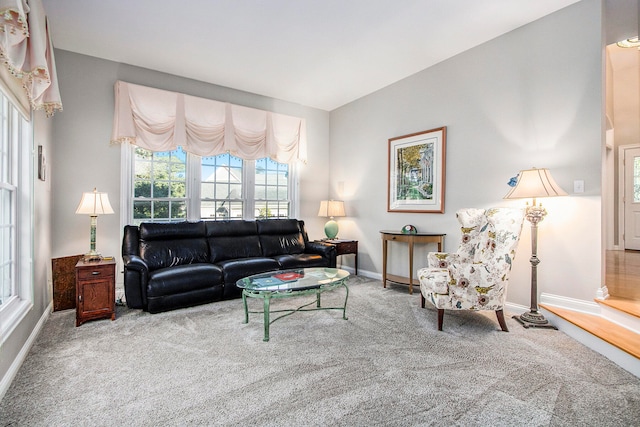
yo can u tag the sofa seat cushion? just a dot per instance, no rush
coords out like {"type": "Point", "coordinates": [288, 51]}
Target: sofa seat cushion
{"type": "Point", "coordinates": [288, 262]}
{"type": "Point", "coordinates": [183, 278]}
{"type": "Point", "coordinates": [236, 269]}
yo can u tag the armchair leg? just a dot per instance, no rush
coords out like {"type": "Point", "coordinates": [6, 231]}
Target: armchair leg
{"type": "Point", "coordinates": [503, 324]}
{"type": "Point", "coordinates": [422, 299]}
{"type": "Point", "coordinates": [440, 317]}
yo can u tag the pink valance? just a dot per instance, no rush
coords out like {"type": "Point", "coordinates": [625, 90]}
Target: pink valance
{"type": "Point", "coordinates": [27, 51]}
{"type": "Point", "coordinates": [160, 120]}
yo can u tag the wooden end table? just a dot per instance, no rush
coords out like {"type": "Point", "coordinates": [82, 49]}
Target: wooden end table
{"type": "Point", "coordinates": [95, 290]}
{"type": "Point", "coordinates": [411, 239]}
{"type": "Point", "coordinates": [345, 247]}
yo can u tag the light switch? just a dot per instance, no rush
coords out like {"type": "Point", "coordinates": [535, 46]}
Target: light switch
{"type": "Point", "coordinates": [578, 186]}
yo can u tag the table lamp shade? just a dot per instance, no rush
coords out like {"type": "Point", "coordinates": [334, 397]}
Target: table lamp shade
{"type": "Point", "coordinates": [94, 203]}
{"type": "Point", "coordinates": [331, 209]}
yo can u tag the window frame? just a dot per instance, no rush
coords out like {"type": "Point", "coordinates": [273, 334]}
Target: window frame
{"type": "Point", "coordinates": [193, 172]}
{"type": "Point", "coordinates": [20, 137]}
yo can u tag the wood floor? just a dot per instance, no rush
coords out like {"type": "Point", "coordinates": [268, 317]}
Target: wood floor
{"type": "Point", "coordinates": [623, 274]}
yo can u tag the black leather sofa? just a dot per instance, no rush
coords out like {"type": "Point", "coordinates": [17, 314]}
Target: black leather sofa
{"type": "Point", "coordinates": [175, 265]}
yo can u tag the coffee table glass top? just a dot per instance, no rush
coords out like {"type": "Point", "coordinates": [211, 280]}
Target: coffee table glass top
{"type": "Point", "coordinates": [293, 280]}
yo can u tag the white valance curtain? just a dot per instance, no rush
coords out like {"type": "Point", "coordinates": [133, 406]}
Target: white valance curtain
{"type": "Point", "coordinates": [27, 51]}
{"type": "Point", "coordinates": [160, 120]}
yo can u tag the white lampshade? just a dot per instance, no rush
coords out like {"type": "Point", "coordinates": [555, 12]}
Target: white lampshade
{"type": "Point", "coordinates": [331, 208]}
{"type": "Point", "coordinates": [534, 183]}
{"type": "Point", "coordinates": [94, 203]}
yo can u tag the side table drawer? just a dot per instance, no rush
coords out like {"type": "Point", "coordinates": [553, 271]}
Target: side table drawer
{"type": "Point", "coordinates": [95, 272]}
{"type": "Point", "coordinates": [347, 248]}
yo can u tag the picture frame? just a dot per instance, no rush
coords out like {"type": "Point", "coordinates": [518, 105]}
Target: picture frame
{"type": "Point", "coordinates": [416, 172]}
{"type": "Point", "coordinates": [42, 164]}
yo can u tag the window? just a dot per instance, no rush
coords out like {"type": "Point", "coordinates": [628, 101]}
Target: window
{"type": "Point", "coordinates": [15, 215]}
{"type": "Point", "coordinates": [159, 186]}
{"type": "Point", "coordinates": [177, 186]}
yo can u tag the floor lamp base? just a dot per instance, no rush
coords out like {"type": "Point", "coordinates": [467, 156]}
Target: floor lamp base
{"type": "Point", "coordinates": [532, 319]}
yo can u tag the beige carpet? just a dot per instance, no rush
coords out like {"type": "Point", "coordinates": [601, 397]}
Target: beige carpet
{"type": "Point", "coordinates": [386, 365]}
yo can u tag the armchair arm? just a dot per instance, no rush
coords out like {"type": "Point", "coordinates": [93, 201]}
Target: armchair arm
{"type": "Point", "coordinates": [434, 280]}
{"type": "Point", "coordinates": [326, 250]}
{"type": "Point", "coordinates": [136, 276]}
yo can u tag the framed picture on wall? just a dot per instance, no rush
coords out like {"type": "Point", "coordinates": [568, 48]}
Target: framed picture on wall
{"type": "Point", "coordinates": [416, 172]}
{"type": "Point", "coordinates": [42, 164]}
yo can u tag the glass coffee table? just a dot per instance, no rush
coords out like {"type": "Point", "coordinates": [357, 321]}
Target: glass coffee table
{"type": "Point", "coordinates": [292, 283]}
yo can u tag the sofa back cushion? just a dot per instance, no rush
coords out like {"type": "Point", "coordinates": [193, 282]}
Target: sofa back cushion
{"type": "Point", "coordinates": [232, 240]}
{"type": "Point", "coordinates": [168, 244]}
{"type": "Point", "coordinates": [280, 236]}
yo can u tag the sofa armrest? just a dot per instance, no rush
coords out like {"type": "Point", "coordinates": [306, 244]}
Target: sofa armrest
{"type": "Point", "coordinates": [326, 250]}
{"type": "Point", "coordinates": [136, 276]}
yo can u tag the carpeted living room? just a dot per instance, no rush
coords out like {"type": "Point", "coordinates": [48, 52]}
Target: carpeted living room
{"type": "Point", "coordinates": [211, 213]}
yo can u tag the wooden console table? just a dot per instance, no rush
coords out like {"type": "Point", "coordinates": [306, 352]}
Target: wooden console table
{"type": "Point", "coordinates": [411, 239]}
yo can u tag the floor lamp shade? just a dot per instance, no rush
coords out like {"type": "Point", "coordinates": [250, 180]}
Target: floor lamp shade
{"type": "Point", "coordinates": [534, 183]}
{"type": "Point", "coordinates": [331, 209]}
{"type": "Point", "coordinates": [94, 204]}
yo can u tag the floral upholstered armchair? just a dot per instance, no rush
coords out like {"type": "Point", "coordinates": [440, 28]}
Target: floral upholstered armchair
{"type": "Point", "coordinates": [476, 276]}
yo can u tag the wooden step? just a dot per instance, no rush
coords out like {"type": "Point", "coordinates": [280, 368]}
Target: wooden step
{"type": "Point", "coordinates": [626, 305]}
{"type": "Point", "coordinates": [612, 333]}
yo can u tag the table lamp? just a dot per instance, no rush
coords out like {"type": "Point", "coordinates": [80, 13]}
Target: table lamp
{"type": "Point", "coordinates": [94, 204]}
{"type": "Point", "coordinates": [331, 209]}
{"type": "Point", "coordinates": [534, 183]}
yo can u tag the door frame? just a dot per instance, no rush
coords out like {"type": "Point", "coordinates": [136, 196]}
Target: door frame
{"type": "Point", "coordinates": [621, 187]}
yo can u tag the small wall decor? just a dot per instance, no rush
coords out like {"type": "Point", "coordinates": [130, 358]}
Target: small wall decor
{"type": "Point", "coordinates": [417, 172]}
{"type": "Point", "coordinates": [409, 229]}
{"type": "Point", "coordinates": [42, 164]}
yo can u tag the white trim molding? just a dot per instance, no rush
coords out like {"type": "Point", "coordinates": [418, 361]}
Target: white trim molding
{"type": "Point", "coordinates": [11, 373]}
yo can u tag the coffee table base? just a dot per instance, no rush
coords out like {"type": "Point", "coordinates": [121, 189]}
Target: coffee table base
{"type": "Point", "coordinates": [267, 296]}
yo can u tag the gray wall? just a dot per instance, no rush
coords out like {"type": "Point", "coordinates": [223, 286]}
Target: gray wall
{"type": "Point", "coordinates": [83, 157]}
{"type": "Point", "coordinates": [530, 98]}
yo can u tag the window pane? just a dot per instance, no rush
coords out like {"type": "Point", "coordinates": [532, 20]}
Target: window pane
{"type": "Point", "coordinates": [221, 187]}
{"type": "Point", "coordinates": [159, 185]}
{"type": "Point", "coordinates": [271, 189]}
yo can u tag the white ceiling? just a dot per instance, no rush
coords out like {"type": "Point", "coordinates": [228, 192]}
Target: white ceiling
{"type": "Point", "coordinates": [318, 53]}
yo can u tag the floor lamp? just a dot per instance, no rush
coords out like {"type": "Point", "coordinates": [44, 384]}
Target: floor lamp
{"type": "Point", "coordinates": [532, 184]}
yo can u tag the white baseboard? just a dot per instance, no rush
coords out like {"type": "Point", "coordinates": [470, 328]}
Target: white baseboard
{"type": "Point", "coordinates": [11, 373]}
{"type": "Point", "coordinates": [589, 307]}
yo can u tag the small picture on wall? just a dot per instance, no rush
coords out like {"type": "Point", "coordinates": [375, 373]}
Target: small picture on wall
{"type": "Point", "coordinates": [42, 164]}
